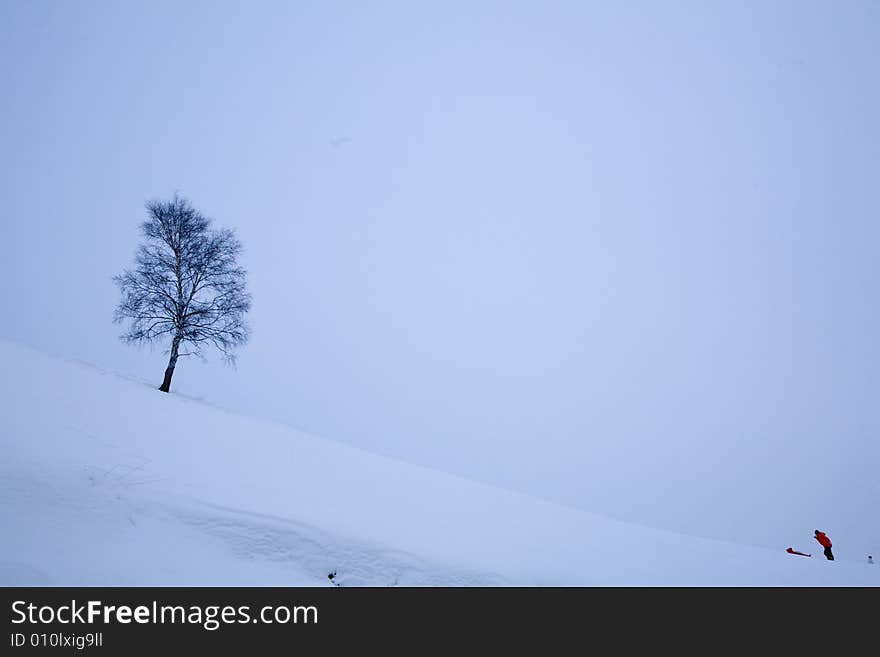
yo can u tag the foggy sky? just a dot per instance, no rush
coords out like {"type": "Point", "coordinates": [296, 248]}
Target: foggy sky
{"type": "Point", "coordinates": [618, 255]}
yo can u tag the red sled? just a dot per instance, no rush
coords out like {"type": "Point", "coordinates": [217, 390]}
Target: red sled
{"type": "Point", "coordinates": [792, 551]}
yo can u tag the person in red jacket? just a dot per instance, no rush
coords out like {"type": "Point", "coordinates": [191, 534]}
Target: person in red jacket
{"type": "Point", "coordinates": [825, 542]}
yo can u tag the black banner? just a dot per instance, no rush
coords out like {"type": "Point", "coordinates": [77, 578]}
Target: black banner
{"type": "Point", "coordinates": [113, 621]}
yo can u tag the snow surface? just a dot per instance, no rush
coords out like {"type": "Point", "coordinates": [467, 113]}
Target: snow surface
{"type": "Point", "coordinates": [106, 481]}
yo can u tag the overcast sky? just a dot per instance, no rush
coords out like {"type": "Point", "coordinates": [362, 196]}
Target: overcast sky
{"type": "Point", "coordinates": [622, 255]}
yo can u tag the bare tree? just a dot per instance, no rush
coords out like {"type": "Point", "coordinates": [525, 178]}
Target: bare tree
{"type": "Point", "coordinates": [186, 286]}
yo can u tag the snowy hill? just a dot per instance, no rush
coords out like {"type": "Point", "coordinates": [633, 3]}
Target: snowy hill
{"type": "Point", "coordinates": [106, 481]}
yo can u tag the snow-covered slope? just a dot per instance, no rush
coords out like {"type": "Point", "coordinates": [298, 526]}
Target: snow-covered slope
{"type": "Point", "coordinates": [106, 481]}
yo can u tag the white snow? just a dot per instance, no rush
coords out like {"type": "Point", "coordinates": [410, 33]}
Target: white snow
{"type": "Point", "coordinates": [107, 481]}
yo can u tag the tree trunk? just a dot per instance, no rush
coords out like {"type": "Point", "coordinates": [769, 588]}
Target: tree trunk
{"type": "Point", "coordinates": [172, 362]}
